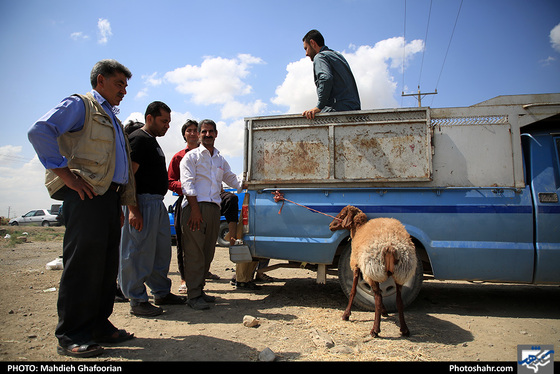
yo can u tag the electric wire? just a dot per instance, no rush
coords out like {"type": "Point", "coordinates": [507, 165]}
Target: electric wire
{"type": "Point", "coordinates": [425, 44]}
{"type": "Point", "coordinates": [448, 47]}
{"type": "Point", "coordinates": [404, 52]}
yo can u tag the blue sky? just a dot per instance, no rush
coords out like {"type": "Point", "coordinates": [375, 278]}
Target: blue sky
{"type": "Point", "coordinates": [227, 60]}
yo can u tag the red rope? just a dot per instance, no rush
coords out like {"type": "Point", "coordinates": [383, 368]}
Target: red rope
{"type": "Point", "coordinates": [278, 196]}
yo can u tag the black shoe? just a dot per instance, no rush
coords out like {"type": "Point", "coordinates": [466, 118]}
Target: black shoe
{"type": "Point", "coordinates": [208, 298]}
{"type": "Point", "coordinates": [198, 303]}
{"type": "Point", "coordinates": [145, 309]}
{"type": "Point", "coordinates": [247, 286]}
{"type": "Point", "coordinates": [170, 299]}
{"type": "Point", "coordinates": [119, 296]}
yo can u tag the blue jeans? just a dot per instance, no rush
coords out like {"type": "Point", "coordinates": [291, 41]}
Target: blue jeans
{"type": "Point", "coordinates": [146, 254]}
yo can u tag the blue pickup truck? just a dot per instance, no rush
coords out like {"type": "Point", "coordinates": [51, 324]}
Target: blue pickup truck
{"type": "Point", "coordinates": [224, 229]}
{"type": "Point", "coordinates": [476, 187]}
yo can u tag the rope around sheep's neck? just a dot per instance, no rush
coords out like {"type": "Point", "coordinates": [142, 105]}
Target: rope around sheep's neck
{"type": "Point", "coordinates": [278, 196]}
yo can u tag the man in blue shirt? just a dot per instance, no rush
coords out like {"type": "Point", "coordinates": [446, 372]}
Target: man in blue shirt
{"type": "Point", "coordinates": [81, 144]}
{"type": "Point", "coordinates": [336, 86]}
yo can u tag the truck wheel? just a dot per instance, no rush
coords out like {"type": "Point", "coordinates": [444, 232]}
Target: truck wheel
{"type": "Point", "coordinates": [364, 298]}
{"type": "Point", "coordinates": [224, 230]}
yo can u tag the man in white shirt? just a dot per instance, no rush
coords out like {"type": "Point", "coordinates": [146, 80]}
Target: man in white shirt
{"type": "Point", "coordinates": [202, 172]}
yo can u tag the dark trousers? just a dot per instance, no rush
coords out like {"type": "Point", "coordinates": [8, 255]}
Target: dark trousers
{"type": "Point", "coordinates": [91, 259]}
{"type": "Point", "coordinates": [177, 224]}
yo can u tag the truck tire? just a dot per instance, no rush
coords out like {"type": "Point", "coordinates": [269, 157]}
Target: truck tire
{"type": "Point", "coordinates": [224, 230]}
{"type": "Point", "coordinates": [364, 298]}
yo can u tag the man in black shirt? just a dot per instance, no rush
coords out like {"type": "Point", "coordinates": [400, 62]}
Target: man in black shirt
{"type": "Point", "coordinates": [146, 238]}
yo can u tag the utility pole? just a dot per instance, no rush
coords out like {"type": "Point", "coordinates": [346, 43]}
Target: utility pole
{"type": "Point", "coordinates": [419, 94]}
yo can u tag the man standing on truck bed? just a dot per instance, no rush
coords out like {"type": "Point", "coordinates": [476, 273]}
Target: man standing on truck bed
{"type": "Point", "coordinates": [336, 86]}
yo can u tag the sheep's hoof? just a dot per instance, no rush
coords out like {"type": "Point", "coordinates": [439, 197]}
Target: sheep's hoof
{"type": "Point", "coordinates": [345, 317]}
{"type": "Point", "coordinates": [374, 334]}
{"type": "Point", "coordinates": [406, 333]}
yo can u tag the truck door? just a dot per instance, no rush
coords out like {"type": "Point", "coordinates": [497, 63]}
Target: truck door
{"type": "Point", "coordinates": [545, 185]}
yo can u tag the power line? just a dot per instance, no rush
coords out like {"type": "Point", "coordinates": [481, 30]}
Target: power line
{"type": "Point", "coordinates": [404, 50]}
{"type": "Point", "coordinates": [420, 94]}
{"type": "Point", "coordinates": [13, 158]}
{"type": "Point", "coordinates": [449, 45]}
{"type": "Point", "coordinates": [425, 44]}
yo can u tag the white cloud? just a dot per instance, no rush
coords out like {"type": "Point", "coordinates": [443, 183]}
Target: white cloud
{"type": "Point", "coordinates": [216, 81]}
{"type": "Point", "coordinates": [79, 36]}
{"type": "Point", "coordinates": [230, 138]}
{"type": "Point", "coordinates": [555, 37]}
{"type": "Point", "coordinates": [235, 109]}
{"type": "Point", "coordinates": [547, 61]}
{"type": "Point", "coordinates": [10, 153]}
{"type": "Point", "coordinates": [142, 93]}
{"type": "Point", "coordinates": [104, 29]}
{"type": "Point", "coordinates": [297, 92]}
{"type": "Point", "coordinates": [370, 66]}
{"type": "Point", "coordinates": [21, 186]}
{"type": "Point", "coordinates": [152, 79]}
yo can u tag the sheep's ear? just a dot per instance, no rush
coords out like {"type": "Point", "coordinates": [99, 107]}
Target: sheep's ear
{"type": "Point", "coordinates": [348, 220]}
{"type": "Point", "coordinates": [360, 219]}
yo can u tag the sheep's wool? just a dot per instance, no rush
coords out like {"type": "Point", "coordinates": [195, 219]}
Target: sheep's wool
{"type": "Point", "coordinates": [371, 243]}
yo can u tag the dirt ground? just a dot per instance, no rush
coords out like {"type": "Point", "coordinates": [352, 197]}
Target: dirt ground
{"type": "Point", "coordinates": [299, 320]}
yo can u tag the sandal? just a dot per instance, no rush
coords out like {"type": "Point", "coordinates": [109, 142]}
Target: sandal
{"type": "Point", "coordinates": [118, 336]}
{"type": "Point", "coordinates": [183, 289]}
{"type": "Point", "coordinates": [81, 351]}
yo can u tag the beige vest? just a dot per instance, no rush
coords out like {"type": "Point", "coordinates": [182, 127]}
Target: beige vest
{"type": "Point", "coordinates": [91, 153]}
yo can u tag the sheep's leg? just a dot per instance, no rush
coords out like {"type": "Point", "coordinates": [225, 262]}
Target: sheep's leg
{"type": "Point", "coordinates": [378, 310]}
{"type": "Point", "coordinates": [384, 312]}
{"type": "Point", "coordinates": [347, 312]}
{"type": "Point", "coordinates": [400, 308]}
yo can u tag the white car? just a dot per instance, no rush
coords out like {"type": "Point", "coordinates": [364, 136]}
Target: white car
{"type": "Point", "coordinates": [36, 217]}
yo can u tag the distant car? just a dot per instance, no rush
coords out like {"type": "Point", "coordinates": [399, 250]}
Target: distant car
{"type": "Point", "coordinates": [41, 217]}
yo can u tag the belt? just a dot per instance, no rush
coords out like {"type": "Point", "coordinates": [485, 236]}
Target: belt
{"type": "Point", "coordinates": [116, 187]}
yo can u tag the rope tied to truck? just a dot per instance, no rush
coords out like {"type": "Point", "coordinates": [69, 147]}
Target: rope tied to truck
{"type": "Point", "coordinates": [279, 196]}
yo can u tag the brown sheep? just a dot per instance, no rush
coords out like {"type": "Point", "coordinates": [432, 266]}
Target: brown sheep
{"type": "Point", "coordinates": [381, 248]}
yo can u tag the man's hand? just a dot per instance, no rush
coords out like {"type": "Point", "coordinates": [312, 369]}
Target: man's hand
{"type": "Point", "coordinates": [195, 218]}
{"type": "Point", "coordinates": [310, 114]}
{"type": "Point", "coordinates": [135, 217]}
{"type": "Point", "coordinates": [75, 182]}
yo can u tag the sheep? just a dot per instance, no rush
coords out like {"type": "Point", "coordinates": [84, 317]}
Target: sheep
{"type": "Point", "coordinates": [381, 247]}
